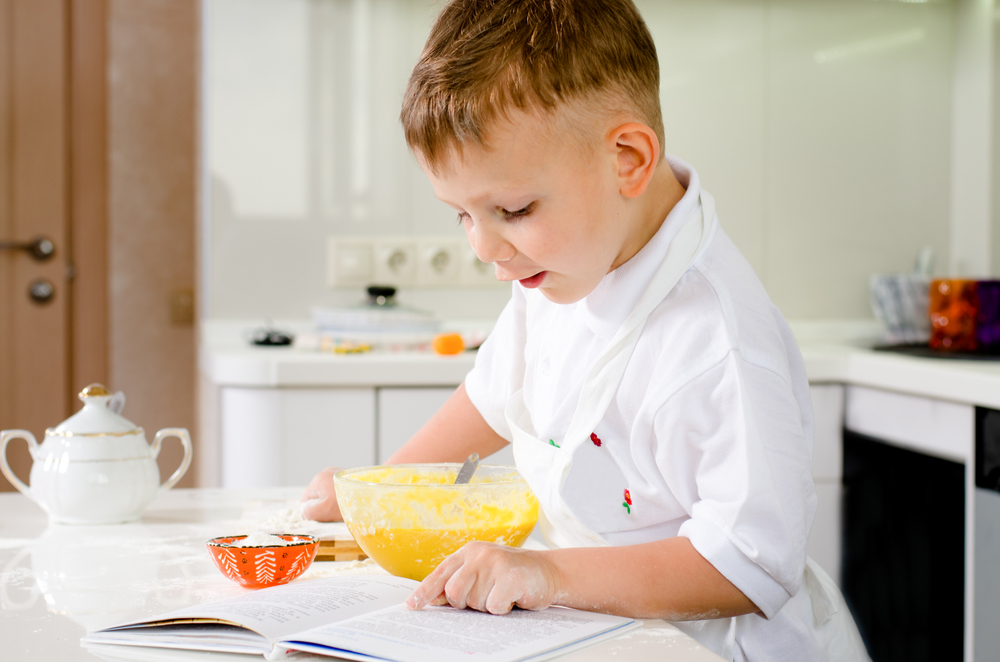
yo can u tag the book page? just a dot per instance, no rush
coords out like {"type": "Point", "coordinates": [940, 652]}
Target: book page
{"type": "Point", "coordinates": [444, 634]}
{"type": "Point", "coordinates": [189, 636]}
{"type": "Point", "coordinates": [282, 611]}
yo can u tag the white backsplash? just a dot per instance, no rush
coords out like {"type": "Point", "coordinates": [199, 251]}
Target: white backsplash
{"type": "Point", "coordinates": [822, 127]}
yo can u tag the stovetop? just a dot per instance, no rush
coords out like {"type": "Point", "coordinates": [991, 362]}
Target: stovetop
{"type": "Point", "coordinates": [923, 350]}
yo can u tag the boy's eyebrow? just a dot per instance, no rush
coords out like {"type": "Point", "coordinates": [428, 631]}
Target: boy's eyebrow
{"type": "Point", "coordinates": [456, 207]}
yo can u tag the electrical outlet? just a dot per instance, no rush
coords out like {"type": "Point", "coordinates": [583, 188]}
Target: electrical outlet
{"type": "Point", "coordinates": [439, 261]}
{"type": "Point", "coordinates": [475, 272]}
{"type": "Point", "coordinates": [349, 261]}
{"type": "Point", "coordinates": [395, 261]}
{"type": "Point", "coordinates": [444, 261]}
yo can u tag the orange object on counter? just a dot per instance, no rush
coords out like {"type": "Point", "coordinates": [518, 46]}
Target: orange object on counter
{"type": "Point", "coordinates": [953, 307]}
{"type": "Point", "coordinates": [260, 567]}
{"type": "Point", "coordinates": [448, 343]}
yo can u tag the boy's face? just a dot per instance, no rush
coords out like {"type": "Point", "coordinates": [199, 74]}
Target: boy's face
{"type": "Point", "coordinates": [539, 206]}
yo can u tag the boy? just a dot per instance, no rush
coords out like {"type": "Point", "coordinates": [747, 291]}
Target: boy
{"type": "Point", "coordinates": [655, 398]}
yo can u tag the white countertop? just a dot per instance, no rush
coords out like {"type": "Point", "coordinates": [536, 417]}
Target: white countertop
{"type": "Point", "coordinates": [59, 581]}
{"type": "Point", "coordinates": [962, 381]}
{"type": "Point", "coordinates": [227, 359]}
{"type": "Point", "coordinates": [834, 352]}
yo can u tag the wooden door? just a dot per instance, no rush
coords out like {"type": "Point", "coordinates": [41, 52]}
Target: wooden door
{"type": "Point", "coordinates": [35, 342]}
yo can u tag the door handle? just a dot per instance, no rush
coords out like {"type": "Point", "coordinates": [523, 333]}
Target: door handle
{"type": "Point", "coordinates": [41, 249]}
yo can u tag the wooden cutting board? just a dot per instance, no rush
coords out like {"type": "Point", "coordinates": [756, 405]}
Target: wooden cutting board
{"type": "Point", "coordinates": [340, 550]}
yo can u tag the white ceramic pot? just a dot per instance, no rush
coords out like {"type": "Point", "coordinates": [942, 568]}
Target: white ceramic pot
{"type": "Point", "coordinates": [96, 467]}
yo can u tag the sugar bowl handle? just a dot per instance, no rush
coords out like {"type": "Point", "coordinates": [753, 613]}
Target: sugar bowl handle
{"type": "Point", "coordinates": [5, 437]}
{"type": "Point", "coordinates": [185, 440]}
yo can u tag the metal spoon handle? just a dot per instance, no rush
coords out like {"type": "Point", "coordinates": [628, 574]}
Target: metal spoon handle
{"type": "Point", "coordinates": [469, 468]}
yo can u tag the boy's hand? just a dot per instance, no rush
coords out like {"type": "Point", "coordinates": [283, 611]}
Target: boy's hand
{"type": "Point", "coordinates": [319, 500]}
{"type": "Point", "coordinates": [489, 577]}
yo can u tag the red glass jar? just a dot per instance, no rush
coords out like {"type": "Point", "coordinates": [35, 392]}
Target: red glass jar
{"type": "Point", "coordinates": [953, 307]}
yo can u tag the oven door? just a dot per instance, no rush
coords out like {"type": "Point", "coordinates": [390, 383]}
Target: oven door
{"type": "Point", "coordinates": [903, 553]}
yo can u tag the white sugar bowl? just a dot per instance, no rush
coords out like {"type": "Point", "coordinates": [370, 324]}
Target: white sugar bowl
{"type": "Point", "coordinates": [95, 467]}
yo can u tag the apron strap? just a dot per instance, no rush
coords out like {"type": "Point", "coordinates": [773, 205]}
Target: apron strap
{"type": "Point", "coordinates": [546, 468]}
{"type": "Point", "coordinates": [605, 375]}
{"type": "Point", "coordinates": [824, 607]}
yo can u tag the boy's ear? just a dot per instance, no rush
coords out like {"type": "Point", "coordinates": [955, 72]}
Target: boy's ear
{"type": "Point", "coordinates": [637, 150]}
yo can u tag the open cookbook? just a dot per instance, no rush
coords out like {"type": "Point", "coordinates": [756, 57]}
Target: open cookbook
{"type": "Point", "coordinates": [363, 618]}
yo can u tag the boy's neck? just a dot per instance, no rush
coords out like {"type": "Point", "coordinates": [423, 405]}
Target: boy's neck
{"type": "Point", "coordinates": [661, 195]}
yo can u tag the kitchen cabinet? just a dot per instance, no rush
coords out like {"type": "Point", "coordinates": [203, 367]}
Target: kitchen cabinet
{"type": "Point", "coordinates": [922, 525]}
{"type": "Point", "coordinates": [823, 545]}
{"type": "Point", "coordinates": [275, 437]}
{"type": "Point", "coordinates": [403, 411]}
{"type": "Point", "coordinates": [280, 437]}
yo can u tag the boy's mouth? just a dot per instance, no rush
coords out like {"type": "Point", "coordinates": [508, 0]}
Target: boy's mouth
{"type": "Point", "coordinates": [533, 281]}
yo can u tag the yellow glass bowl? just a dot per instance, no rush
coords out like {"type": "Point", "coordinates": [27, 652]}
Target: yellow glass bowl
{"type": "Point", "coordinates": [409, 517]}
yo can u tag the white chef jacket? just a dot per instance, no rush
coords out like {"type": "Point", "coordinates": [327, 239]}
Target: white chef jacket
{"type": "Point", "coordinates": [709, 435]}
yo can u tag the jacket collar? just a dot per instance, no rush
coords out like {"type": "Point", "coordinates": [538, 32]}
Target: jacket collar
{"type": "Point", "coordinates": [606, 308]}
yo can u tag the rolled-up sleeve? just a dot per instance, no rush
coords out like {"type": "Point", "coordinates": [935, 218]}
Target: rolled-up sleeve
{"type": "Point", "coordinates": [736, 451]}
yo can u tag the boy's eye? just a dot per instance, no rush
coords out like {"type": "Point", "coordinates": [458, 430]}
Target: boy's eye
{"type": "Point", "coordinates": [462, 216]}
{"type": "Point", "coordinates": [520, 213]}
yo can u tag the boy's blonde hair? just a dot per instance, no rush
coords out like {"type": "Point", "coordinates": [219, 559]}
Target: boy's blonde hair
{"type": "Point", "coordinates": [485, 58]}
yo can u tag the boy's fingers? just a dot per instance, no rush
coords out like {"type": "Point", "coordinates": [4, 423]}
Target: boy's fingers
{"type": "Point", "coordinates": [480, 591]}
{"type": "Point", "coordinates": [433, 585]}
{"type": "Point", "coordinates": [459, 587]}
{"type": "Point", "coordinates": [439, 601]}
{"type": "Point", "coordinates": [421, 597]}
{"type": "Point", "coordinates": [322, 510]}
{"type": "Point", "coordinates": [497, 602]}
{"type": "Point", "coordinates": [430, 589]}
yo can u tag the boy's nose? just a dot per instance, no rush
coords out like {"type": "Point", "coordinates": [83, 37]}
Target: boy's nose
{"type": "Point", "coordinates": [487, 244]}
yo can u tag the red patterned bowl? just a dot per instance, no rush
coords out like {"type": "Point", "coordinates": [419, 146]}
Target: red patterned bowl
{"type": "Point", "coordinates": [260, 567]}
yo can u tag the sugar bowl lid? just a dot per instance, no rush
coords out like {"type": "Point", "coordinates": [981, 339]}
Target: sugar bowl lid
{"type": "Point", "coordinates": [96, 419]}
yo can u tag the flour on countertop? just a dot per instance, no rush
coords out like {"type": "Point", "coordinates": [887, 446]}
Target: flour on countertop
{"type": "Point", "coordinates": [659, 632]}
{"type": "Point", "coordinates": [286, 517]}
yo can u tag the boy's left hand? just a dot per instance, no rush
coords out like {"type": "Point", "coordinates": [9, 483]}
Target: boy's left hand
{"type": "Point", "coordinates": [489, 577]}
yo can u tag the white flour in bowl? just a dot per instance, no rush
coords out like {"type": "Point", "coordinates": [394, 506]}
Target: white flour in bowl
{"type": "Point", "coordinates": [261, 540]}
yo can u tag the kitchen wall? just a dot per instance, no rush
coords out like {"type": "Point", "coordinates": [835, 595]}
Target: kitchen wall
{"type": "Point", "coordinates": [995, 144]}
{"type": "Point", "coordinates": [824, 128]}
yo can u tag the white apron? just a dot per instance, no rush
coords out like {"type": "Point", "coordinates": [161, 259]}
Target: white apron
{"type": "Point", "coordinates": [546, 466]}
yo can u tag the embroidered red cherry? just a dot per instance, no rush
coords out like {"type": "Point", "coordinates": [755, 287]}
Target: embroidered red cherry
{"type": "Point", "coordinates": [628, 502]}
{"type": "Point", "coordinates": [594, 438]}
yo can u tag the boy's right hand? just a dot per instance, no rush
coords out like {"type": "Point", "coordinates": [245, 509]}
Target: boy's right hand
{"type": "Point", "coordinates": [319, 500]}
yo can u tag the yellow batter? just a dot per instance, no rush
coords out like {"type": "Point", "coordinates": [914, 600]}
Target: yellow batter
{"type": "Point", "coordinates": [409, 518]}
